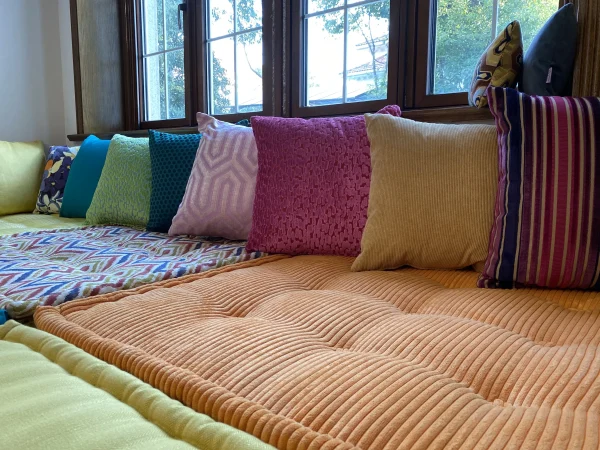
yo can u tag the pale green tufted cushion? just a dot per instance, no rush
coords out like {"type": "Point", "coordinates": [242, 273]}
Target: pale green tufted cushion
{"type": "Point", "coordinates": [123, 193]}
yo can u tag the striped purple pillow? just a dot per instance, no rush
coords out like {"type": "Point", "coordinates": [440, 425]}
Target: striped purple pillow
{"type": "Point", "coordinates": [547, 221]}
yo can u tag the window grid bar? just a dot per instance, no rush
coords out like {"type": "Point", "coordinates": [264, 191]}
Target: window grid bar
{"type": "Point", "coordinates": [345, 74]}
{"type": "Point", "coordinates": [230, 35]}
{"type": "Point", "coordinates": [235, 71]}
{"type": "Point", "coordinates": [338, 8]}
{"type": "Point", "coordinates": [144, 65]}
{"type": "Point", "coordinates": [162, 51]}
{"type": "Point", "coordinates": [210, 60]}
{"type": "Point", "coordinates": [165, 61]}
{"type": "Point", "coordinates": [494, 20]}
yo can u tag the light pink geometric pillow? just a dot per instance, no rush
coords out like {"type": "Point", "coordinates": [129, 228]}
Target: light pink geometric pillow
{"type": "Point", "coordinates": [220, 191]}
{"type": "Point", "coordinates": [312, 188]}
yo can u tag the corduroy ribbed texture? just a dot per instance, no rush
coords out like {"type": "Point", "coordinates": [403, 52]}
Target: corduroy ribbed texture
{"type": "Point", "coordinates": [432, 195]}
{"type": "Point", "coordinates": [306, 354]}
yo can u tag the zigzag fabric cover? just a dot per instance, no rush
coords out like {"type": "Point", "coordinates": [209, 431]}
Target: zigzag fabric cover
{"type": "Point", "coordinates": [500, 65]}
{"type": "Point", "coordinates": [52, 267]}
{"type": "Point", "coordinates": [547, 223]}
{"type": "Point", "coordinates": [305, 354]}
{"type": "Point", "coordinates": [220, 191]}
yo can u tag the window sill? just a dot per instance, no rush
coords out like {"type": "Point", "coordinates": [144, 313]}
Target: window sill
{"type": "Point", "coordinates": [457, 114]}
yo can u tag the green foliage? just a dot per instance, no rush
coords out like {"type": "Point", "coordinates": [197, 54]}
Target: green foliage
{"type": "Point", "coordinates": [463, 32]}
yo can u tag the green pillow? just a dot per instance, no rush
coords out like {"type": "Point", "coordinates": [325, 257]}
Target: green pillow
{"type": "Point", "coordinates": [172, 157]}
{"type": "Point", "coordinates": [123, 193]}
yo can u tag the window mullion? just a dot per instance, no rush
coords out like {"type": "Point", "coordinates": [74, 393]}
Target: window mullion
{"type": "Point", "coordinates": [494, 19]}
{"type": "Point", "coordinates": [235, 71]}
{"type": "Point", "coordinates": [345, 74]}
{"type": "Point", "coordinates": [165, 61]}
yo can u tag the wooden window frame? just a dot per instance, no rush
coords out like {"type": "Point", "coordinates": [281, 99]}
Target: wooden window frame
{"type": "Point", "coordinates": [133, 72]}
{"type": "Point", "coordinates": [270, 35]}
{"type": "Point", "coordinates": [395, 67]}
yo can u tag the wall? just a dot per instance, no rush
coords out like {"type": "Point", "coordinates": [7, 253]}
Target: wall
{"type": "Point", "coordinates": [36, 71]}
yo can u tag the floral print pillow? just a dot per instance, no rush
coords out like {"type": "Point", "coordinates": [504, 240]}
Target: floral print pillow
{"type": "Point", "coordinates": [54, 179]}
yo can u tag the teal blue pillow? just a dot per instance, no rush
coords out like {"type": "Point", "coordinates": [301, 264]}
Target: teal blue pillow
{"type": "Point", "coordinates": [172, 157]}
{"type": "Point", "coordinates": [83, 177]}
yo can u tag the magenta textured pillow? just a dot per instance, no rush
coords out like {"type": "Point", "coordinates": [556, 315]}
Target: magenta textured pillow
{"type": "Point", "coordinates": [312, 188]}
{"type": "Point", "coordinates": [219, 193]}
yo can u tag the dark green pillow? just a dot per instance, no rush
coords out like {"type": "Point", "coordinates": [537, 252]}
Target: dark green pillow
{"type": "Point", "coordinates": [83, 177]}
{"type": "Point", "coordinates": [172, 157]}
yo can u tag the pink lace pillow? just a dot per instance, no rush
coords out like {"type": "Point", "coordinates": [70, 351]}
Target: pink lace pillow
{"type": "Point", "coordinates": [312, 187]}
{"type": "Point", "coordinates": [220, 191]}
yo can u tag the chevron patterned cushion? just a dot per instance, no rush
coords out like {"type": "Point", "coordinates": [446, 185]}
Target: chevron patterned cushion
{"type": "Point", "coordinates": [220, 192]}
{"type": "Point", "coordinates": [88, 261]}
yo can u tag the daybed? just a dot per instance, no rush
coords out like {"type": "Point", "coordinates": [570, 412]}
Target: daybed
{"type": "Point", "coordinates": [303, 353]}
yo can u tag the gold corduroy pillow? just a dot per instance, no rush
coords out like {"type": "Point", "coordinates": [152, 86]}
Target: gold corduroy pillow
{"type": "Point", "coordinates": [433, 191]}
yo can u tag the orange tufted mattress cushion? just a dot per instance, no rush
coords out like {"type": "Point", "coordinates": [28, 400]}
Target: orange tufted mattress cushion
{"type": "Point", "coordinates": [305, 354]}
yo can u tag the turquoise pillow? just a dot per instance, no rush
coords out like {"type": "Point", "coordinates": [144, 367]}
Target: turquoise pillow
{"type": "Point", "coordinates": [83, 177]}
{"type": "Point", "coordinates": [123, 193]}
{"type": "Point", "coordinates": [172, 157]}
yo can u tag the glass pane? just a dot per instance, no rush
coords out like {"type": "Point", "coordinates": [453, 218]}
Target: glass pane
{"type": "Point", "coordinates": [176, 84]}
{"type": "Point", "coordinates": [322, 5]}
{"type": "Point", "coordinates": [222, 77]}
{"type": "Point", "coordinates": [368, 46]}
{"type": "Point", "coordinates": [156, 105]}
{"type": "Point", "coordinates": [249, 66]}
{"type": "Point", "coordinates": [532, 15]}
{"type": "Point", "coordinates": [463, 32]}
{"type": "Point", "coordinates": [153, 26]}
{"type": "Point", "coordinates": [174, 34]}
{"type": "Point", "coordinates": [249, 14]}
{"type": "Point", "coordinates": [221, 18]}
{"type": "Point", "coordinates": [324, 78]}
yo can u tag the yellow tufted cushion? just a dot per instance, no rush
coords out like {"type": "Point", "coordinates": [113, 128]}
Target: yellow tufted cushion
{"type": "Point", "coordinates": [55, 396]}
{"type": "Point", "coordinates": [21, 167]}
{"type": "Point", "coordinates": [433, 189]}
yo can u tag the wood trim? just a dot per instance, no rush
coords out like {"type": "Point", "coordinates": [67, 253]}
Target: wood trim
{"type": "Point", "coordinates": [461, 114]}
{"type": "Point", "coordinates": [134, 133]}
{"type": "Point", "coordinates": [127, 18]}
{"type": "Point", "coordinates": [457, 114]}
{"type": "Point", "coordinates": [76, 65]}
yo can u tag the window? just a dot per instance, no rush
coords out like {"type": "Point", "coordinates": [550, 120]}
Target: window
{"type": "Point", "coordinates": [162, 61]}
{"type": "Point", "coordinates": [306, 58]}
{"type": "Point", "coordinates": [234, 48]}
{"type": "Point", "coordinates": [461, 30]}
{"type": "Point", "coordinates": [345, 52]}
